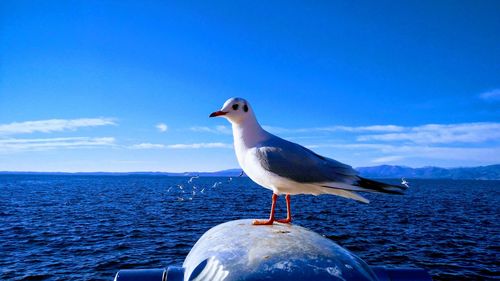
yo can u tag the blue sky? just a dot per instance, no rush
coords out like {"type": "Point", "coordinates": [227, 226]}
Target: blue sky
{"type": "Point", "coordinates": [129, 85]}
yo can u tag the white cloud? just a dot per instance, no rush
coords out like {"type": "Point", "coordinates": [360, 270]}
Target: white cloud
{"type": "Point", "coordinates": [200, 145]}
{"type": "Point", "coordinates": [477, 132]}
{"type": "Point", "coordinates": [491, 96]}
{"type": "Point", "coordinates": [373, 128]}
{"type": "Point", "coordinates": [215, 130]}
{"type": "Point", "coordinates": [467, 154]}
{"type": "Point", "coordinates": [52, 125]}
{"type": "Point", "coordinates": [147, 145]}
{"type": "Point", "coordinates": [439, 133]}
{"type": "Point", "coordinates": [353, 129]}
{"type": "Point", "coordinates": [395, 152]}
{"type": "Point", "coordinates": [162, 127]}
{"type": "Point", "coordinates": [17, 145]}
{"type": "Point", "coordinates": [387, 159]}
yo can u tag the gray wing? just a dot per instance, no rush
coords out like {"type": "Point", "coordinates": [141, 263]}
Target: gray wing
{"type": "Point", "coordinates": [295, 162]}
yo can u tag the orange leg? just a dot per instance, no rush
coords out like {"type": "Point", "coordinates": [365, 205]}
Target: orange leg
{"type": "Point", "coordinates": [271, 216]}
{"type": "Point", "coordinates": [288, 211]}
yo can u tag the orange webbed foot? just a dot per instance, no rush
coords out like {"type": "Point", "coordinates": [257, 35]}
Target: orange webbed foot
{"type": "Point", "coordinates": [287, 220]}
{"type": "Point", "coordinates": [262, 222]}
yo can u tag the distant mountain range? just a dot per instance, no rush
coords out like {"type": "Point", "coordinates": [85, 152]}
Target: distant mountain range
{"type": "Point", "coordinates": [223, 173]}
{"type": "Point", "coordinates": [491, 172]}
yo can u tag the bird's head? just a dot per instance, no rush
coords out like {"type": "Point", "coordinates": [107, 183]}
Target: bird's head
{"type": "Point", "coordinates": [236, 110]}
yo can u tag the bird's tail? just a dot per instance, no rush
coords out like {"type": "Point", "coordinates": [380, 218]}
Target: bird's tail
{"type": "Point", "coordinates": [376, 186]}
{"type": "Point", "coordinates": [345, 193]}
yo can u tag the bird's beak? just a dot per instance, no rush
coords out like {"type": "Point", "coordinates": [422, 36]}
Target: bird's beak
{"type": "Point", "coordinates": [217, 113]}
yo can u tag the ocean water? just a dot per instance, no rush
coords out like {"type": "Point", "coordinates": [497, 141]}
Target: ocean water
{"type": "Point", "coordinates": [88, 227]}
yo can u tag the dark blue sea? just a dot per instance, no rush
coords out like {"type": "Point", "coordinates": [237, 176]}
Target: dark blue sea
{"type": "Point", "coordinates": [75, 227]}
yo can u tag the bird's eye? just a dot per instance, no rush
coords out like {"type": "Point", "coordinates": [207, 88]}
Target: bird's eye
{"type": "Point", "coordinates": [235, 106]}
{"type": "Point", "coordinates": [245, 108]}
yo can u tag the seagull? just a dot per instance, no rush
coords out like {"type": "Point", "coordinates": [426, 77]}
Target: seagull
{"type": "Point", "coordinates": [405, 183]}
{"type": "Point", "coordinates": [192, 178]}
{"type": "Point", "coordinates": [288, 168]}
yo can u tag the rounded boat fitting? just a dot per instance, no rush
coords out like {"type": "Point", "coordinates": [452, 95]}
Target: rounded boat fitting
{"type": "Point", "coordinates": [238, 250]}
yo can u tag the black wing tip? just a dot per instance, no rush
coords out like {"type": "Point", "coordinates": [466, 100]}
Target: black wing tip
{"type": "Point", "coordinates": [381, 187]}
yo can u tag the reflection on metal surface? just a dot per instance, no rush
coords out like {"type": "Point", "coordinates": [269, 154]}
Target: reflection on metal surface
{"type": "Point", "coordinates": [209, 269]}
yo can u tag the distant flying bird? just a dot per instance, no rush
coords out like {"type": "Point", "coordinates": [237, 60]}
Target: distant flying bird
{"type": "Point", "coordinates": [405, 183]}
{"type": "Point", "coordinates": [289, 168]}
{"type": "Point", "coordinates": [192, 178]}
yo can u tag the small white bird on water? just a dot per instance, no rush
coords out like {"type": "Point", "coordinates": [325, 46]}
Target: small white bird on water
{"type": "Point", "coordinates": [288, 168]}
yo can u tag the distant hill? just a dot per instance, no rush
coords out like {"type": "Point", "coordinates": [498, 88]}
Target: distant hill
{"type": "Point", "coordinates": [223, 173]}
{"type": "Point", "coordinates": [491, 172]}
